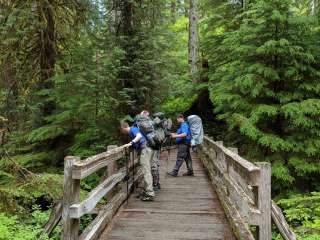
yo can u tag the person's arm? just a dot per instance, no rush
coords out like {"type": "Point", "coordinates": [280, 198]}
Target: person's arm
{"type": "Point", "coordinates": [137, 138]}
{"type": "Point", "coordinates": [181, 135]}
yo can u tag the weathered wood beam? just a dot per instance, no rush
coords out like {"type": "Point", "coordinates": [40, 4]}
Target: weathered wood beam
{"type": "Point", "coordinates": [241, 200]}
{"type": "Point", "coordinates": [264, 201]}
{"type": "Point", "coordinates": [244, 190]}
{"type": "Point", "coordinates": [234, 157]}
{"type": "Point", "coordinates": [54, 219]}
{"type": "Point", "coordinates": [223, 179]}
{"type": "Point", "coordinates": [98, 225]}
{"type": "Point", "coordinates": [82, 169]}
{"type": "Point", "coordinates": [94, 230]}
{"type": "Point", "coordinates": [239, 227]}
{"type": "Point", "coordinates": [112, 166]}
{"type": "Point", "coordinates": [79, 209]}
{"type": "Point", "coordinates": [281, 223]}
{"type": "Point", "coordinates": [71, 195]}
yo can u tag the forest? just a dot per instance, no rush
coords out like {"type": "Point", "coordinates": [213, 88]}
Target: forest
{"type": "Point", "coordinates": [70, 70]}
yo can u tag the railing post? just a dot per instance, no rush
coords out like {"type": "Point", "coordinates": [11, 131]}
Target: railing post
{"type": "Point", "coordinates": [71, 194]}
{"type": "Point", "coordinates": [112, 166]}
{"type": "Point", "coordinates": [264, 201]}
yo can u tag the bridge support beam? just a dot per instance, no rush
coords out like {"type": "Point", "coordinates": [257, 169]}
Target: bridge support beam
{"type": "Point", "coordinates": [264, 201]}
{"type": "Point", "coordinates": [71, 195]}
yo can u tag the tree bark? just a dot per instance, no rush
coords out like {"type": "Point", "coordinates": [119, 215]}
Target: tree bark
{"type": "Point", "coordinates": [47, 44]}
{"type": "Point", "coordinates": [173, 11]}
{"type": "Point", "coordinates": [193, 39]}
{"type": "Point", "coordinates": [313, 7]}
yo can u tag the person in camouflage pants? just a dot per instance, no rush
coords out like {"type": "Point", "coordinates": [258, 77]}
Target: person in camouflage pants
{"type": "Point", "coordinates": [155, 162]}
{"type": "Point", "coordinates": [155, 170]}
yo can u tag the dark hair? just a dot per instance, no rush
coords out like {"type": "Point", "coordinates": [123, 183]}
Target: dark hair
{"type": "Point", "coordinates": [180, 115]}
{"type": "Point", "coordinates": [124, 125]}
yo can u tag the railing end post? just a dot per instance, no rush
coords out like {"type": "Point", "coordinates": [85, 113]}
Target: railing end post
{"type": "Point", "coordinates": [71, 195]}
{"type": "Point", "coordinates": [264, 201]}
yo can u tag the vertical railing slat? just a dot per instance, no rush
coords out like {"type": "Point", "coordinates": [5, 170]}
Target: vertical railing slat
{"type": "Point", "coordinates": [264, 201]}
{"type": "Point", "coordinates": [71, 195]}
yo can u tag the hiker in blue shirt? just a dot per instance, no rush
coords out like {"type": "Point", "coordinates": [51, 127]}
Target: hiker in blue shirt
{"type": "Point", "coordinates": [139, 143]}
{"type": "Point", "coordinates": [183, 139]}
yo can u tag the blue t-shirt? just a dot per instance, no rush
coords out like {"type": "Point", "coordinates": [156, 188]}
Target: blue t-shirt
{"type": "Point", "coordinates": [184, 128]}
{"type": "Point", "coordinates": [133, 133]}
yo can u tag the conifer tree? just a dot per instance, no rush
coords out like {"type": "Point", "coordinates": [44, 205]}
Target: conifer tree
{"type": "Point", "coordinates": [269, 90]}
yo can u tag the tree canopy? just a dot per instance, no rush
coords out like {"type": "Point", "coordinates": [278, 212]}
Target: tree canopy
{"type": "Point", "coordinates": [71, 70]}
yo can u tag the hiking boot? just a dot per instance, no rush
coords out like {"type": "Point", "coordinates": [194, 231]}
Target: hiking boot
{"type": "Point", "coordinates": [147, 198]}
{"type": "Point", "coordinates": [172, 174]}
{"type": "Point", "coordinates": [188, 174]}
{"type": "Point", "coordinates": [157, 187]}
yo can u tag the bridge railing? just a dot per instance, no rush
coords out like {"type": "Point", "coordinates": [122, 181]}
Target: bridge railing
{"type": "Point", "coordinates": [114, 185]}
{"type": "Point", "coordinates": [244, 190]}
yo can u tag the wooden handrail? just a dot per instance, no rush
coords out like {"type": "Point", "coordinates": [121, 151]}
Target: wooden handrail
{"type": "Point", "coordinates": [73, 209]}
{"type": "Point", "coordinates": [234, 157]}
{"type": "Point", "coordinates": [54, 219]}
{"type": "Point", "coordinates": [280, 222]}
{"type": "Point", "coordinates": [93, 231]}
{"type": "Point", "coordinates": [79, 209]}
{"type": "Point", "coordinates": [84, 168]}
{"type": "Point", "coordinates": [244, 190]}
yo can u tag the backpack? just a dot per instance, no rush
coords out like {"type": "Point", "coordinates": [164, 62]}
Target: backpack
{"type": "Point", "coordinates": [162, 127]}
{"type": "Point", "coordinates": [196, 130]}
{"type": "Point", "coordinates": [144, 123]}
{"type": "Point", "coordinates": [160, 121]}
{"type": "Point", "coordinates": [155, 131]}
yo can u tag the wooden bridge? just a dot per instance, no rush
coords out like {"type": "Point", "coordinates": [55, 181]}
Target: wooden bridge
{"type": "Point", "coordinates": [228, 198]}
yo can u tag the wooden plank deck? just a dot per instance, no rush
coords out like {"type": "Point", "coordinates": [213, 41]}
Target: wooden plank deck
{"type": "Point", "coordinates": [186, 208]}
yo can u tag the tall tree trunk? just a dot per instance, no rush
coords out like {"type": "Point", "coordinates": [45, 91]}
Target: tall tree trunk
{"type": "Point", "coordinates": [12, 92]}
{"type": "Point", "coordinates": [193, 39]}
{"type": "Point", "coordinates": [126, 34]}
{"type": "Point", "coordinates": [242, 3]}
{"type": "Point", "coordinates": [173, 11]}
{"type": "Point", "coordinates": [313, 7]}
{"type": "Point", "coordinates": [127, 27]}
{"type": "Point", "coordinates": [112, 17]}
{"type": "Point", "coordinates": [47, 56]}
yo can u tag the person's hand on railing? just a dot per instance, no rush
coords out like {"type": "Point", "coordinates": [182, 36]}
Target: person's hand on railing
{"type": "Point", "coordinates": [127, 145]}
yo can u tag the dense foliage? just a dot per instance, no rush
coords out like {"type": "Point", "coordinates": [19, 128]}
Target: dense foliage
{"type": "Point", "coordinates": [70, 72]}
{"type": "Point", "coordinates": [269, 89]}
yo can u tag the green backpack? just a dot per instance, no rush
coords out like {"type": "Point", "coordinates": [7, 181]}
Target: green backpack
{"type": "Point", "coordinates": [162, 127]}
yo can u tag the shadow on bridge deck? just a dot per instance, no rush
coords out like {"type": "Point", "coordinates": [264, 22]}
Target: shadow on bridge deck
{"type": "Point", "coordinates": [186, 208]}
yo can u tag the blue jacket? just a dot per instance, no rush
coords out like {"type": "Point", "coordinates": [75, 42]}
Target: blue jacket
{"type": "Point", "coordinates": [133, 133]}
{"type": "Point", "coordinates": [184, 128]}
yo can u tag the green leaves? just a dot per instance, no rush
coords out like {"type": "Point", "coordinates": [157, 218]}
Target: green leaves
{"type": "Point", "coordinates": [268, 91]}
{"type": "Point", "coordinates": [46, 133]}
{"type": "Point", "coordinates": [303, 212]}
{"type": "Point", "coordinates": [281, 172]}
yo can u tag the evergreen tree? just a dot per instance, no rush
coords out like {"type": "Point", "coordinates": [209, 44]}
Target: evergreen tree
{"type": "Point", "coordinates": [140, 35]}
{"type": "Point", "coordinates": [269, 90]}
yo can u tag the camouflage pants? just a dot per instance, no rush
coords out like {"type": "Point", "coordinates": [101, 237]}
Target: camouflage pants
{"type": "Point", "coordinates": [146, 155]}
{"type": "Point", "coordinates": [155, 167]}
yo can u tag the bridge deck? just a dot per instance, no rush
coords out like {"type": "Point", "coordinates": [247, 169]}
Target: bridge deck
{"type": "Point", "coordinates": [186, 208]}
